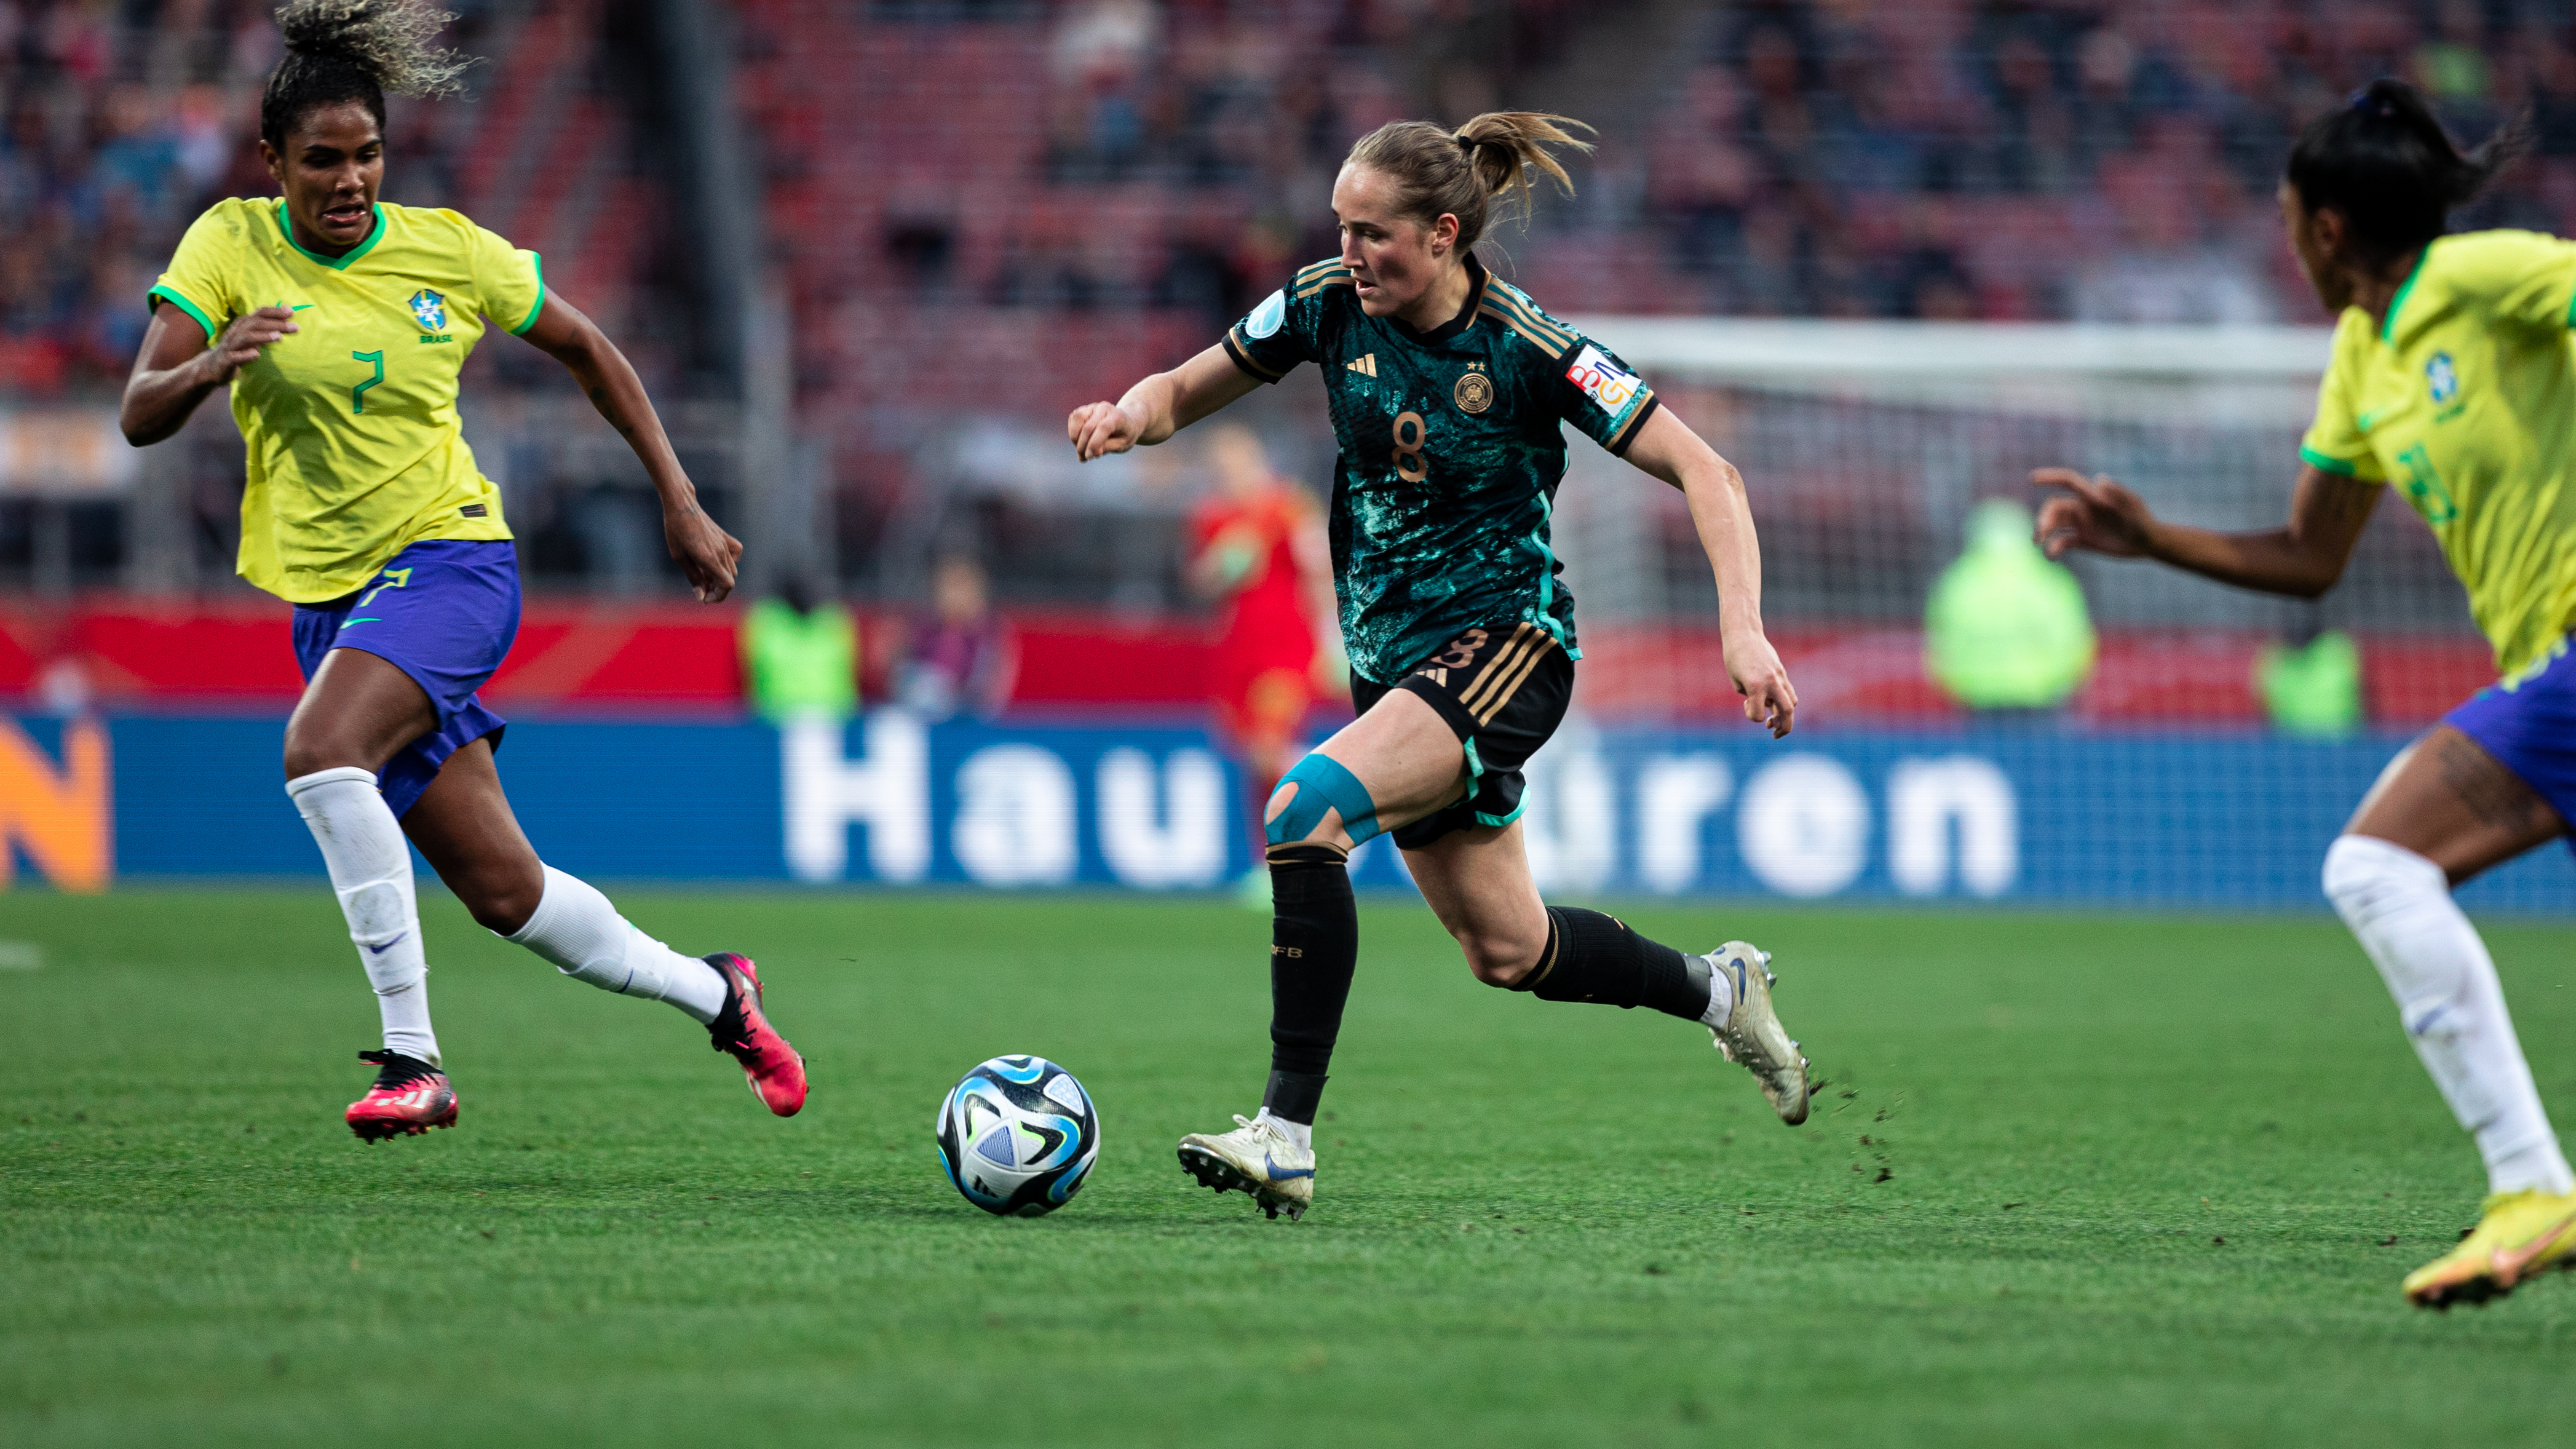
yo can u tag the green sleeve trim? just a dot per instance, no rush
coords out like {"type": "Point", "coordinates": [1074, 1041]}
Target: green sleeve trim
{"type": "Point", "coordinates": [536, 260]}
{"type": "Point", "coordinates": [170, 294]}
{"type": "Point", "coordinates": [2571, 309]}
{"type": "Point", "coordinates": [2337, 466]}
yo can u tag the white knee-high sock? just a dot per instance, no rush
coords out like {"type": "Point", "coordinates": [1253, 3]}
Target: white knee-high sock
{"type": "Point", "coordinates": [581, 933]}
{"type": "Point", "coordinates": [2451, 1003]}
{"type": "Point", "coordinates": [370, 866]}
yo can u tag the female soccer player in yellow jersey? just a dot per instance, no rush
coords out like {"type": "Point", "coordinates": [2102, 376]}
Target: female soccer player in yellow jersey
{"type": "Point", "coordinates": [1448, 390]}
{"type": "Point", "coordinates": [340, 324]}
{"type": "Point", "coordinates": [2453, 381]}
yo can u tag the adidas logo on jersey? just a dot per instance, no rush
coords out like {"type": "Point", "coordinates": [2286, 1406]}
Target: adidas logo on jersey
{"type": "Point", "coordinates": [1366, 365]}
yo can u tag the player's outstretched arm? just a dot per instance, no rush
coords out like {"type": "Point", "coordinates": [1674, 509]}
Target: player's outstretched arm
{"type": "Point", "coordinates": [175, 369]}
{"type": "Point", "coordinates": [1158, 407]}
{"type": "Point", "coordinates": [707, 553]}
{"type": "Point", "coordinates": [1667, 448]}
{"type": "Point", "coordinates": [2303, 559]}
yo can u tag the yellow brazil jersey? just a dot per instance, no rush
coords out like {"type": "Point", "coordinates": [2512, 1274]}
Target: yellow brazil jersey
{"type": "Point", "coordinates": [2464, 400]}
{"type": "Point", "coordinates": [355, 449]}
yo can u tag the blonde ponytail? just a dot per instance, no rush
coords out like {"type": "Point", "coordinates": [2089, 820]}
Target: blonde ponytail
{"type": "Point", "coordinates": [1464, 172]}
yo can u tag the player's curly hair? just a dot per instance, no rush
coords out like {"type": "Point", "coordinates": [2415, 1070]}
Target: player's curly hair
{"type": "Point", "coordinates": [2384, 161]}
{"type": "Point", "coordinates": [1464, 172]}
{"type": "Point", "coordinates": [355, 50]}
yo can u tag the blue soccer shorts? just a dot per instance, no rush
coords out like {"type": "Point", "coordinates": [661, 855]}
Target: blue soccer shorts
{"type": "Point", "coordinates": [2527, 721]}
{"type": "Point", "coordinates": [442, 611]}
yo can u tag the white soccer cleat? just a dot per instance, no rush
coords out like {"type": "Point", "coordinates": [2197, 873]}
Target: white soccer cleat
{"type": "Point", "coordinates": [1751, 1035]}
{"type": "Point", "coordinates": [1258, 1158]}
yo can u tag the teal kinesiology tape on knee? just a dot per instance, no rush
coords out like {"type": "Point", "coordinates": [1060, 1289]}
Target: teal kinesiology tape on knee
{"type": "Point", "coordinates": [1322, 784]}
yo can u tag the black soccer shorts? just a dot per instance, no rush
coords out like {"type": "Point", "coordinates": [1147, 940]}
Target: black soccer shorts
{"type": "Point", "coordinates": [1503, 691]}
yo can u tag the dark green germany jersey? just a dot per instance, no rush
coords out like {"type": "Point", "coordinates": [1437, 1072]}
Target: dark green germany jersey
{"type": "Point", "coordinates": [1450, 455]}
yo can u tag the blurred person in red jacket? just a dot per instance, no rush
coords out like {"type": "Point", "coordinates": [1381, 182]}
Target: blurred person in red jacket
{"type": "Point", "coordinates": [1257, 543]}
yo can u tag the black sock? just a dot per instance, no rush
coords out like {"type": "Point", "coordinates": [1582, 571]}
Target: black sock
{"type": "Point", "coordinates": [1314, 946]}
{"type": "Point", "coordinates": [1593, 957]}
{"type": "Point", "coordinates": [1293, 1096]}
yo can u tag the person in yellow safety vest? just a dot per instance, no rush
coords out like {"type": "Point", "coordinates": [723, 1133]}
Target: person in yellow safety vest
{"type": "Point", "coordinates": [800, 658]}
{"type": "Point", "coordinates": [2312, 688]}
{"type": "Point", "coordinates": [2006, 628]}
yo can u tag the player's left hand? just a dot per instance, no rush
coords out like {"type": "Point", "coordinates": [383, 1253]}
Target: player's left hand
{"type": "Point", "coordinates": [707, 553]}
{"type": "Point", "coordinates": [1769, 699]}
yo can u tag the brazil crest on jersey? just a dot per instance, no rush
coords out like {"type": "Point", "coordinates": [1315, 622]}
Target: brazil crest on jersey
{"type": "Point", "coordinates": [1451, 451]}
{"type": "Point", "coordinates": [350, 422]}
{"type": "Point", "coordinates": [2464, 400]}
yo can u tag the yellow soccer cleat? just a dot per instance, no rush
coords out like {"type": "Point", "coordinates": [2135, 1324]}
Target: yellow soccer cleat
{"type": "Point", "coordinates": [2522, 1234]}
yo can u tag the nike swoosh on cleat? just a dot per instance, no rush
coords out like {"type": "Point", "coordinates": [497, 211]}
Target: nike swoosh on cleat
{"type": "Point", "coordinates": [1276, 1173]}
{"type": "Point", "coordinates": [2513, 1260]}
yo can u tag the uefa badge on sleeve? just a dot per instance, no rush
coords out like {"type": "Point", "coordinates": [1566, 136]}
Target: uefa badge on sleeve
{"type": "Point", "coordinates": [1266, 318]}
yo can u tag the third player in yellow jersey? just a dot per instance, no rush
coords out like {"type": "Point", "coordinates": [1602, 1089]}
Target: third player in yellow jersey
{"type": "Point", "coordinates": [2453, 384]}
{"type": "Point", "coordinates": [2458, 398]}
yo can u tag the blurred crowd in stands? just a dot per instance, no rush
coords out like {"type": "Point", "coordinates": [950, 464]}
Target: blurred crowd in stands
{"type": "Point", "coordinates": [2010, 159]}
{"type": "Point", "coordinates": [2004, 159]}
{"type": "Point", "coordinates": [120, 120]}
{"type": "Point", "coordinates": [2099, 162]}
{"type": "Point", "coordinates": [1935, 158]}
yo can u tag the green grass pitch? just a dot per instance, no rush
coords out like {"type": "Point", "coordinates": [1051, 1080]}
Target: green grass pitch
{"type": "Point", "coordinates": [2076, 1179]}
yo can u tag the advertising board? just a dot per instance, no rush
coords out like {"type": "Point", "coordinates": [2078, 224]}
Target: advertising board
{"type": "Point", "coordinates": [2040, 814]}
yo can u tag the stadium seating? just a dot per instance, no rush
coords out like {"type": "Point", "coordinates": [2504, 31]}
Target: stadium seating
{"type": "Point", "coordinates": [1154, 161]}
{"type": "Point", "coordinates": [986, 212]}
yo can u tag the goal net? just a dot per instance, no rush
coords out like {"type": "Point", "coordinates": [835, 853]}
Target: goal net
{"type": "Point", "coordinates": [1865, 444]}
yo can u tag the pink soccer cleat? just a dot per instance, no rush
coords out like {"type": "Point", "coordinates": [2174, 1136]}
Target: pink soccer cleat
{"type": "Point", "coordinates": [776, 1072]}
{"type": "Point", "coordinates": [410, 1097]}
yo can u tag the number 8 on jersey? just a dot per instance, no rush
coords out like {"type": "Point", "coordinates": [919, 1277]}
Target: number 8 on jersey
{"type": "Point", "coordinates": [1408, 451]}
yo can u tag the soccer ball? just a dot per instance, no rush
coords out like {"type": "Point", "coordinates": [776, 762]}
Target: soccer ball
{"type": "Point", "coordinates": [1018, 1136]}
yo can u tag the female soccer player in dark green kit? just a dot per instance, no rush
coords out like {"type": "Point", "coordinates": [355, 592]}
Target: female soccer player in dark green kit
{"type": "Point", "coordinates": [1448, 386]}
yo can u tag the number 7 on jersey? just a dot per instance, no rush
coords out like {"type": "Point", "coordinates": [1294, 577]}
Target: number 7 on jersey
{"type": "Point", "coordinates": [358, 390]}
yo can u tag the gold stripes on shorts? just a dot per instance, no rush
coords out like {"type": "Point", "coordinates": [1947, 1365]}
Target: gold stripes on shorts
{"type": "Point", "coordinates": [1494, 685]}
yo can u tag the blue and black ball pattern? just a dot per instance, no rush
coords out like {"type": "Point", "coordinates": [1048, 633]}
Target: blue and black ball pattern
{"type": "Point", "coordinates": [1018, 1135]}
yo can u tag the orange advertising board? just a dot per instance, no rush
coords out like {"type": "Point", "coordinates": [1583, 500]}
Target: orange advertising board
{"type": "Point", "coordinates": [59, 815]}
